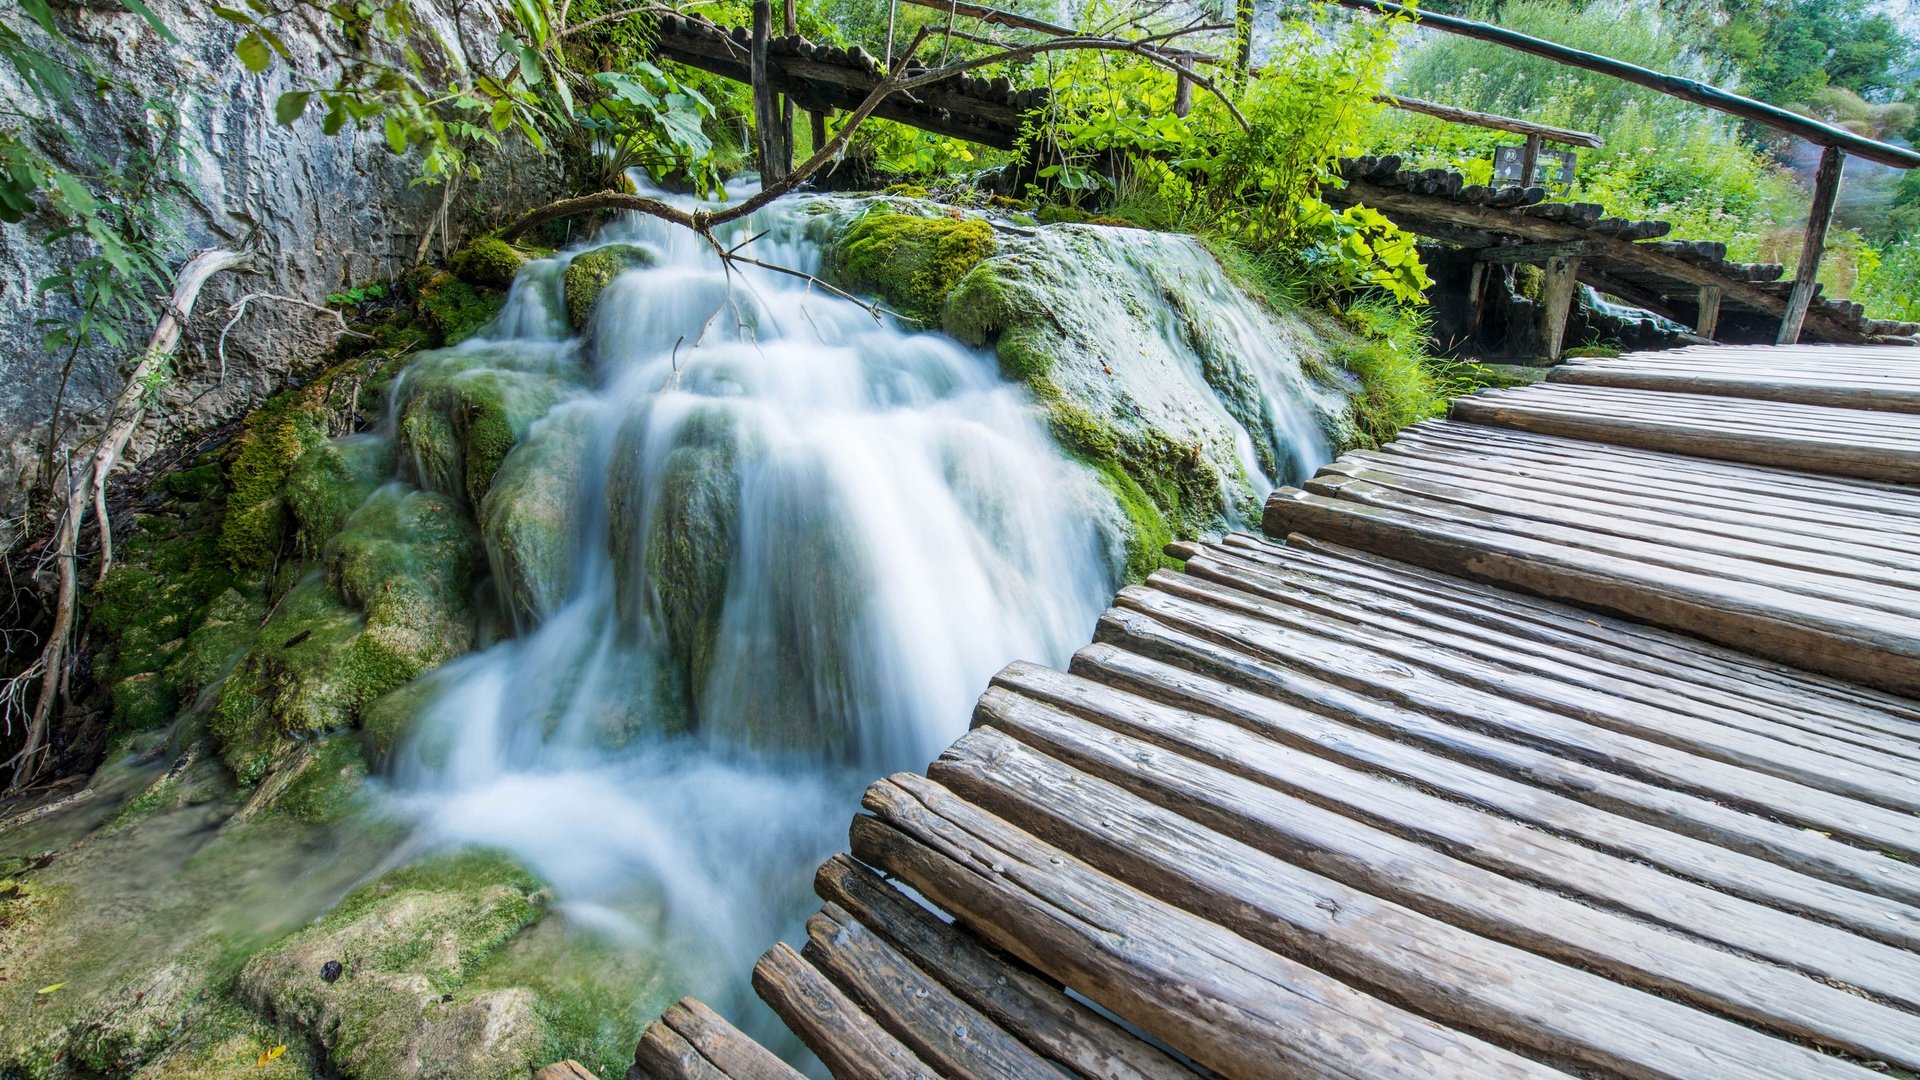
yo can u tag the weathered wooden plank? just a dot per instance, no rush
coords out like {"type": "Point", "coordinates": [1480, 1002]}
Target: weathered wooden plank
{"type": "Point", "coordinates": [663, 1054]}
{"type": "Point", "coordinates": [1826, 191]}
{"type": "Point", "coordinates": [1889, 460]}
{"type": "Point", "coordinates": [1469, 982]}
{"type": "Point", "coordinates": [1820, 634]}
{"type": "Point", "coordinates": [1820, 424]}
{"type": "Point", "coordinates": [1011, 994]}
{"type": "Point", "coordinates": [1635, 677]}
{"type": "Point", "coordinates": [1730, 672]}
{"type": "Point", "coordinates": [1839, 572]}
{"type": "Point", "coordinates": [1229, 1004]}
{"type": "Point", "coordinates": [1160, 663]}
{"type": "Point", "coordinates": [940, 1029]}
{"type": "Point", "coordinates": [1579, 851]}
{"type": "Point", "coordinates": [1381, 864]}
{"type": "Point", "coordinates": [722, 1044]}
{"type": "Point", "coordinates": [1357, 663]}
{"type": "Point", "coordinates": [850, 1043]}
{"type": "Point", "coordinates": [1852, 392]}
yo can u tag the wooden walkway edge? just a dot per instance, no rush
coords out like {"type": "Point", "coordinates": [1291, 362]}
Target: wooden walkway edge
{"type": "Point", "coordinates": [1563, 737]}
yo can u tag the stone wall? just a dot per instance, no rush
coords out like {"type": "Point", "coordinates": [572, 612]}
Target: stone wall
{"type": "Point", "coordinates": [319, 213]}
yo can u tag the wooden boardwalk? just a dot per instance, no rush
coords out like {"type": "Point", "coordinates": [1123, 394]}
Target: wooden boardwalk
{"type": "Point", "coordinates": [1556, 739]}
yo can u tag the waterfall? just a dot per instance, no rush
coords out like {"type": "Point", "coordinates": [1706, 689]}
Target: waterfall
{"type": "Point", "coordinates": [782, 546]}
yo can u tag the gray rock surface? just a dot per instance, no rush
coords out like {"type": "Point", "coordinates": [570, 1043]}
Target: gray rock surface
{"type": "Point", "coordinates": [320, 213]}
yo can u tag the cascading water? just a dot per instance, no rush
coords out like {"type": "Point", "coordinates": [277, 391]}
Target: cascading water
{"type": "Point", "coordinates": [760, 549]}
{"type": "Point", "coordinates": [801, 542]}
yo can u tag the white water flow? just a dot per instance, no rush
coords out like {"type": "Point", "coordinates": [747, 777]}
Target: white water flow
{"type": "Point", "coordinates": [865, 523]}
{"type": "Point", "coordinates": [786, 546]}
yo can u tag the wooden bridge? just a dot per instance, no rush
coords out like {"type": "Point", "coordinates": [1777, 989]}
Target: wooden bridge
{"type": "Point", "coordinates": [1560, 737]}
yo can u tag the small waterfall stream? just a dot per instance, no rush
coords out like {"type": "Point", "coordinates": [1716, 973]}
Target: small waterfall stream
{"type": "Point", "coordinates": [787, 546]}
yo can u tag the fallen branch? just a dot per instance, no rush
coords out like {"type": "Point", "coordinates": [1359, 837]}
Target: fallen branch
{"type": "Point", "coordinates": [87, 491]}
{"type": "Point", "coordinates": [239, 308]}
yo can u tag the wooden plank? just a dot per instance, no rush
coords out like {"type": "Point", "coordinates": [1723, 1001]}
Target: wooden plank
{"type": "Point", "coordinates": [1826, 190]}
{"type": "Point", "coordinates": [1617, 863]}
{"type": "Point", "coordinates": [849, 1042]}
{"type": "Point", "coordinates": [1469, 982]}
{"type": "Point", "coordinates": [939, 1028]}
{"type": "Point", "coordinates": [1530, 253]}
{"type": "Point", "coordinates": [1015, 997]}
{"type": "Point", "coordinates": [1818, 634]}
{"type": "Point", "coordinates": [1148, 657]}
{"type": "Point", "coordinates": [1354, 661]}
{"type": "Point", "coordinates": [663, 1054]}
{"type": "Point", "coordinates": [773, 137]}
{"type": "Point", "coordinates": [1227, 1003]}
{"type": "Point", "coordinates": [1378, 863]}
{"type": "Point", "coordinates": [564, 1070]}
{"type": "Point", "coordinates": [1829, 391]}
{"type": "Point", "coordinates": [1755, 677]}
{"type": "Point", "coordinates": [1723, 440]}
{"type": "Point", "coordinates": [724, 1045]}
{"type": "Point", "coordinates": [1638, 678]}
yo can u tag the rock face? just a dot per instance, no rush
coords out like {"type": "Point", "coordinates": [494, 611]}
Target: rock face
{"type": "Point", "coordinates": [255, 185]}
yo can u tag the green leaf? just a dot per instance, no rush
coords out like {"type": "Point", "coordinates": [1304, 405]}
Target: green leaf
{"type": "Point", "coordinates": [233, 15]}
{"type": "Point", "coordinates": [39, 12]}
{"type": "Point", "coordinates": [254, 52]}
{"type": "Point", "coordinates": [396, 135]}
{"type": "Point", "coordinates": [290, 106]}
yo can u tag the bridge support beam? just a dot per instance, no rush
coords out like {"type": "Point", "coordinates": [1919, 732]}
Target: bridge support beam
{"type": "Point", "coordinates": [1707, 322]}
{"type": "Point", "coordinates": [771, 129]}
{"type": "Point", "coordinates": [1826, 188]}
{"type": "Point", "coordinates": [1556, 303]}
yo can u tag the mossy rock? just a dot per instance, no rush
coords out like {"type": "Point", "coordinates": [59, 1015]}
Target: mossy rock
{"type": "Point", "coordinates": [226, 630]}
{"type": "Point", "coordinates": [690, 538]}
{"type": "Point", "coordinates": [231, 1042]}
{"type": "Point", "coordinates": [463, 413]}
{"type": "Point", "coordinates": [529, 516]}
{"type": "Point", "coordinates": [488, 261]}
{"type": "Point", "coordinates": [323, 782]}
{"type": "Point", "coordinates": [408, 944]}
{"type": "Point", "coordinates": [590, 272]}
{"type": "Point", "coordinates": [330, 481]}
{"type": "Point", "coordinates": [911, 262]}
{"type": "Point", "coordinates": [395, 602]}
{"type": "Point", "coordinates": [456, 310]}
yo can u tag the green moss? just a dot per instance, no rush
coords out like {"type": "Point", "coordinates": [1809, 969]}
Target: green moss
{"type": "Point", "coordinates": [589, 274]}
{"type": "Point", "coordinates": [328, 779]}
{"type": "Point", "coordinates": [1055, 214]}
{"type": "Point", "coordinates": [529, 513]}
{"type": "Point", "coordinates": [464, 413]}
{"type": "Point", "coordinates": [913, 263]}
{"type": "Point", "coordinates": [408, 944]}
{"type": "Point", "coordinates": [906, 191]}
{"type": "Point", "coordinates": [488, 261]}
{"type": "Point", "coordinates": [227, 628]}
{"type": "Point", "coordinates": [330, 481]}
{"type": "Point", "coordinates": [455, 310]}
{"type": "Point", "coordinates": [1591, 351]}
{"type": "Point", "coordinates": [227, 1043]}
{"type": "Point", "coordinates": [690, 539]}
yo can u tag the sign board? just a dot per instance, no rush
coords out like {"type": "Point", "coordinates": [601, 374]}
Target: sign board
{"type": "Point", "coordinates": [1552, 167]}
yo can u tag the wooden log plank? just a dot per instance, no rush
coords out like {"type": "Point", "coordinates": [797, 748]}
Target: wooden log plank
{"type": "Point", "coordinates": [1602, 674]}
{"type": "Point", "coordinates": [1822, 635]}
{"type": "Point", "coordinates": [1228, 1004]}
{"type": "Point", "coordinates": [1014, 996]}
{"type": "Point", "coordinates": [939, 1028]}
{"type": "Point", "coordinates": [1378, 863]}
{"type": "Point", "coordinates": [1752, 676]}
{"type": "Point", "coordinates": [1633, 676]}
{"type": "Point", "coordinates": [1890, 507]}
{"type": "Point", "coordinates": [1469, 982]}
{"type": "Point", "coordinates": [1706, 322]}
{"type": "Point", "coordinates": [1736, 415]}
{"type": "Point", "coordinates": [1826, 191]}
{"type": "Point", "coordinates": [1843, 457]}
{"type": "Point", "coordinates": [724, 1045]}
{"type": "Point", "coordinates": [1873, 538]}
{"type": "Point", "coordinates": [1556, 301]}
{"type": "Point", "coordinates": [1575, 850]}
{"type": "Point", "coordinates": [1810, 390]}
{"type": "Point", "coordinates": [1829, 577]}
{"type": "Point", "coordinates": [850, 1043]}
{"type": "Point", "coordinates": [1456, 115]}
{"type": "Point", "coordinates": [1146, 657]}
{"type": "Point", "coordinates": [663, 1054]}
{"type": "Point", "coordinates": [1439, 688]}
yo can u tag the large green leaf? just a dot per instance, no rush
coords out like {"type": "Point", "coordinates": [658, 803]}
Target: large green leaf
{"type": "Point", "coordinates": [254, 52]}
{"type": "Point", "coordinates": [290, 106]}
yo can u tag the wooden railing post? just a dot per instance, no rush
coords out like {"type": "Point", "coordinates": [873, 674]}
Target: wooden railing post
{"type": "Point", "coordinates": [1707, 322]}
{"type": "Point", "coordinates": [1182, 96]}
{"type": "Point", "coordinates": [1556, 302]}
{"type": "Point", "coordinates": [1530, 160]}
{"type": "Point", "coordinates": [775, 138]}
{"type": "Point", "coordinates": [1826, 188]}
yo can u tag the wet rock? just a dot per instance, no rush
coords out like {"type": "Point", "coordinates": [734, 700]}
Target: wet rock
{"type": "Point", "coordinates": [911, 261]}
{"type": "Point", "coordinates": [690, 538]}
{"type": "Point", "coordinates": [330, 971]}
{"type": "Point", "coordinates": [529, 516]}
{"type": "Point", "coordinates": [589, 274]}
{"type": "Point", "coordinates": [488, 261]}
{"type": "Point", "coordinates": [404, 941]}
{"type": "Point", "coordinates": [462, 413]}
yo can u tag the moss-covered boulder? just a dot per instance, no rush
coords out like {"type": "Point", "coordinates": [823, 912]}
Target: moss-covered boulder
{"type": "Point", "coordinates": [407, 944]}
{"type": "Point", "coordinates": [395, 601]}
{"type": "Point", "coordinates": [690, 537]}
{"type": "Point", "coordinates": [231, 1042]}
{"type": "Point", "coordinates": [488, 261]}
{"type": "Point", "coordinates": [529, 516]}
{"type": "Point", "coordinates": [330, 481]}
{"type": "Point", "coordinates": [590, 272]}
{"type": "Point", "coordinates": [911, 262]}
{"type": "Point", "coordinates": [456, 310]}
{"type": "Point", "coordinates": [461, 413]}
